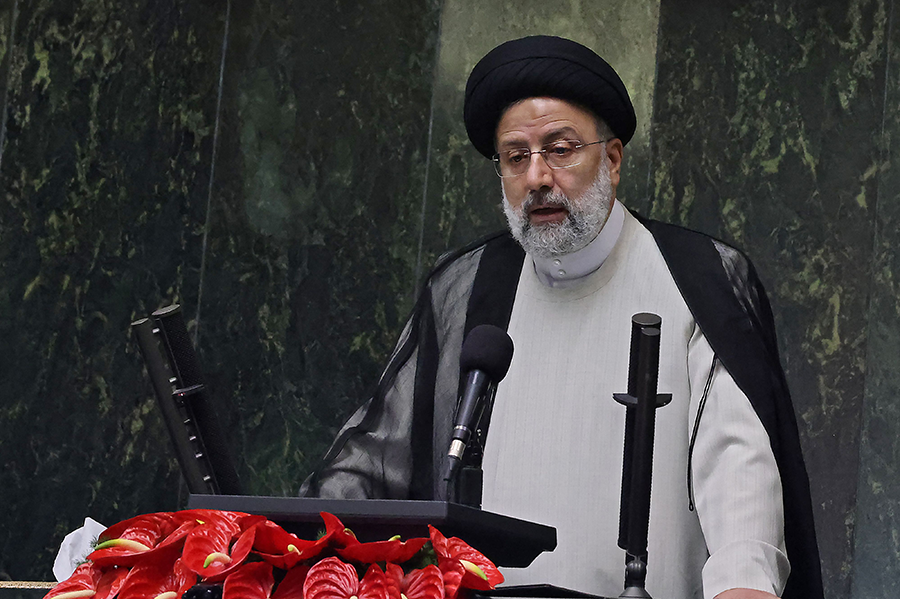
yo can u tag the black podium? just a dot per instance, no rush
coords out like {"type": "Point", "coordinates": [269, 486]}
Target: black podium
{"type": "Point", "coordinates": [504, 540]}
{"type": "Point", "coordinates": [507, 541]}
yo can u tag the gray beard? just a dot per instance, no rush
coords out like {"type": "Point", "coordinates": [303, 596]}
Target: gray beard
{"type": "Point", "coordinates": [586, 217]}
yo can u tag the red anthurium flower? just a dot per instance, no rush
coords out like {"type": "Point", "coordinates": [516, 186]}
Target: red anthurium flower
{"type": "Point", "coordinates": [227, 520]}
{"type": "Point", "coordinates": [279, 547]}
{"type": "Point", "coordinates": [204, 516]}
{"type": "Point", "coordinates": [393, 550]}
{"type": "Point", "coordinates": [374, 585]}
{"type": "Point", "coordinates": [149, 525]}
{"type": "Point", "coordinates": [425, 583]}
{"type": "Point", "coordinates": [337, 534]}
{"type": "Point", "coordinates": [82, 583]}
{"type": "Point", "coordinates": [250, 581]}
{"type": "Point", "coordinates": [211, 537]}
{"type": "Point", "coordinates": [89, 580]}
{"type": "Point", "coordinates": [208, 550]}
{"type": "Point", "coordinates": [291, 586]}
{"type": "Point", "coordinates": [123, 543]}
{"type": "Point", "coordinates": [110, 583]}
{"type": "Point", "coordinates": [394, 575]}
{"type": "Point", "coordinates": [158, 580]}
{"type": "Point", "coordinates": [480, 573]}
{"type": "Point", "coordinates": [452, 572]}
{"type": "Point", "coordinates": [167, 550]}
{"type": "Point", "coordinates": [250, 521]}
{"type": "Point", "coordinates": [333, 579]}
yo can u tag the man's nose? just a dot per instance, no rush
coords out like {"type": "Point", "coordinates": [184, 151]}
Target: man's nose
{"type": "Point", "coordinates": [539, 175]}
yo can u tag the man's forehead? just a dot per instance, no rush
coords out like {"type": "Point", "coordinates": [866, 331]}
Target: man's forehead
{"type": "Point", "coordinates": [548, 101]}
{"type": "Point", "coordinates": [546, 115]}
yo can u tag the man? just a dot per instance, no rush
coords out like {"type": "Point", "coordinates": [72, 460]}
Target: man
{"type": "Point", "coordinates": [731, 514]}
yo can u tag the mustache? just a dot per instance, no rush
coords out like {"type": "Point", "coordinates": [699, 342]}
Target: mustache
{"type": "Point", "coordinates": [539, 199]}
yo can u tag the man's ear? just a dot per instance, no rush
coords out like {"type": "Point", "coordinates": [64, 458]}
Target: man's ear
{"type": "Point", "coordinates": [614, 151]}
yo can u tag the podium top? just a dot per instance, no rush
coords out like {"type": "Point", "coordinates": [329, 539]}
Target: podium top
{"type": "Point", "coordinates": [533, 591]}
{"type": "Point", "coordinates": [506, 541]}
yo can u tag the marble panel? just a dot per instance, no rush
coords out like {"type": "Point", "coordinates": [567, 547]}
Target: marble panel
{"type": "Point", "coordinates": [463, 200]}
{"type": "Point", "coordinates": [314, 220]}
{"type": "Point", "coordinates": [765, 134]}
{"type": "Point", "coordinates": [104, 174]}
{"type": "Point", "coordinates": [876, 559]}
{"type": "Point", "coordinates": [8, 18]}
{"type": "Point", "coordinates": [304, 279]}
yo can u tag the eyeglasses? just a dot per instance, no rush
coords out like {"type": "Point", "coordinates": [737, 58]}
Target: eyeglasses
{"type": "Point", "coordinates": [564, 153]}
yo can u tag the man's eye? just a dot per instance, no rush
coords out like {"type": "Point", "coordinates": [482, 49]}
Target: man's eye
{"type": "Point", "coordinates": [516, 156]}
{"type": "Point", "coordinates": [562, 148]}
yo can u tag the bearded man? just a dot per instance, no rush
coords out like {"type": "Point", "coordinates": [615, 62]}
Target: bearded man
{"type": "Point", "coordinates": [731, 515]}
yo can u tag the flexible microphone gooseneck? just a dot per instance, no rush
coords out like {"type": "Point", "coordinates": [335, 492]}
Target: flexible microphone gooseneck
{"type": "Point", "coordinates": [486, 355]}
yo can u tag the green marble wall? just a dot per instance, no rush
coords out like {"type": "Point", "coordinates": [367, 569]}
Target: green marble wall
{"type": "Point", "coordinates": [110, 179]}
{"type": "Point", "coordinates": [768, 132]}
{"type": "Point", "coordinates": [109, 115]}
{"type": "Point", "coordinates": [876, 559]}
{"type": "Point", "coordinates": [315, 213]}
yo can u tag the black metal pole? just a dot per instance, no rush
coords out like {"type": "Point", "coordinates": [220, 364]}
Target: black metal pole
{"type": "Point", "coordinates": [638, 322]}
{"type": "Point", "coordinates": [641, 402]}
{"type": "Point", "coordinates": [642, 464]}
{"type": "Point", "coordinates": [197, 473]}
{"type": "Point", "coordinates": [192, 393]}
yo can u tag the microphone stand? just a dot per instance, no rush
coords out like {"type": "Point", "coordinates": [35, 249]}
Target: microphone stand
{"type": "Point", "coordinates": [465, 481]}
{"type": "Point", "coordinates": [640, 403]}
{"type": "Point", "coordinates": [485, 357]}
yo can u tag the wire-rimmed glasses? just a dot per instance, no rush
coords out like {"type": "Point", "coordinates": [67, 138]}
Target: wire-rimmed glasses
{"type": "Point", "coordinates": [563, 153]}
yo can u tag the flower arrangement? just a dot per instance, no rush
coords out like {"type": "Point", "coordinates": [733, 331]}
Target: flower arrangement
{"type": "Point", "coordinates": [165, 555]}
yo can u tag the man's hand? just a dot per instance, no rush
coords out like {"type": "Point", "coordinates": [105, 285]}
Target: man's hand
{"type": "Point", "coordinates": [745, 594]}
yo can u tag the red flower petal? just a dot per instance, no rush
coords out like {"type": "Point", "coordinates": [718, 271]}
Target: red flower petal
{"type": "Point", "coordinates": [183, 577]}
{"type": "Point", "coordinates": [394, 574]}
{"type": "Point", "coordinates": [455, 549]}
{"type": "Point", "coordinates": [291, 586]}
{"type": "Point", "coordinates": [110, 583]}
{"type": "Point", "coordinates": [250, 581]}
{"type": "Point", "coordinates": [205, 540]}
{"type": "Point", "coordinates": [149, 580]}
{"type": "Point", "coordinates": [425, 583]}
{"type": "Point", "coordinates": [203, 516]}
{"type": "Point", "coordinates": [146, 528]}
{"type": "Point", "coordinates": [123, 544]}
{"type": "Point", "coordinates": [249, 521]}
{"type": "Point", "coordinates": [452, 572]}
{"type": "Point", "coordinates": [84, 578]}
{"type": "Point", "coordinates": [338, 534]}
{"type": "Point", "coordinates": [331, 579]}
{"type": "Point", "coordinates": [394, 550]}
{"type": "Point", "coordinates": [88, 580]}
{"type": "Point", "coordinates": [208, 550]}
{"type": "Point", "coordinates": [374, 584]}
{"type": "Point", "coordinates": [271, 538]}
{"type": "Point", "coordinates": [167, 551]}
{"type": "Point", "coordinates": [279, 547]}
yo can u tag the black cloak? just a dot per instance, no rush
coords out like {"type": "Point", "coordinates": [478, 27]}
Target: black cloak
{"type": "Point", "coordinates": [394, 445]}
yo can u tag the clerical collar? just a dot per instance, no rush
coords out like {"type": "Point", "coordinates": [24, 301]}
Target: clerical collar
{"type": "Point", "coordinates": [567, 270]}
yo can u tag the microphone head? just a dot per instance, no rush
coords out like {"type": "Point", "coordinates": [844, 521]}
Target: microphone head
{"type": "Point", "coordinates": [487, 348]}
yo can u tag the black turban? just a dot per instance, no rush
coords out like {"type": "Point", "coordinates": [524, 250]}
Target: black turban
{"type": "Point", "coordinates": [543, 66]}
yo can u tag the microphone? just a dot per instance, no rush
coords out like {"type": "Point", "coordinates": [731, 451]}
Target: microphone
{"type": "Point", "coordinates": [486, 355]}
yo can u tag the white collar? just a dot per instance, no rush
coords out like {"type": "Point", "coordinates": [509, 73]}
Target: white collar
{"type": "Point", "coordinates": [566, 270]}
